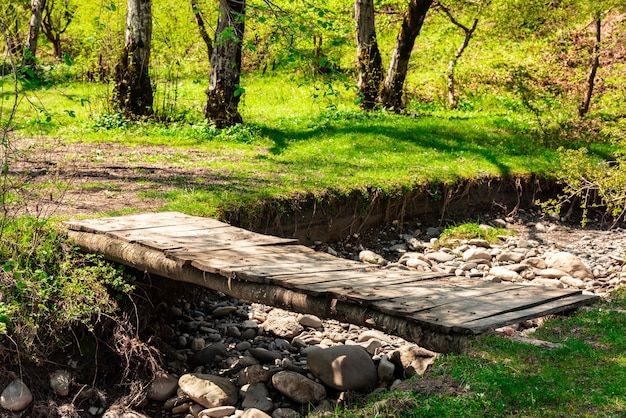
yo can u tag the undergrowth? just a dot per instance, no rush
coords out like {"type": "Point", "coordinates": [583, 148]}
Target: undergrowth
{"type": "Point", "coordinates": [47, 287]}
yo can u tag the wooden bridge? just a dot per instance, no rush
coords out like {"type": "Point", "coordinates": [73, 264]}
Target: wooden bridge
{"type": "Point", "coordinates": [436, 311]}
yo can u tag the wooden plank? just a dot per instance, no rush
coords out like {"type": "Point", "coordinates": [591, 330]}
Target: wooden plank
{"type": "Point", "coordinates": [140, 221]}
{"type": "Point", "coordinates": [207, 239]}
{"type": "Point", "coordinates": [272, 250]}
{"type": "Point", "coordinates": [455, 312]}
{"type": "Point", "coordinates": [369, 272]}
{"type": "Point", "coordinates": [555, 306]}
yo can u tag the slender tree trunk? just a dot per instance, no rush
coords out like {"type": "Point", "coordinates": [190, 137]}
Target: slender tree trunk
{"type": "Point", "coordinates": [133, 90]}
{"type": "Point", "coordinates": [391, 94]}
{"type": "Point", "coordinates": [197, 12]}
{"type": "Point", "coordinates": [369, 63]}
{"type": "Point", "coordinates": [223, 93]}
{"type": "Point", "coordinates": [453, 98]}
{"type": "Point", "coordinates": [595, 64]}
{"type": "Point", "coordinates": [30, 49]}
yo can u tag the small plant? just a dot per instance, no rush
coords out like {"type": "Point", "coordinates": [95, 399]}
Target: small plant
{"type": "Point", "coordinates": [472, 230]}
{"type": "Point", "coordinates": [108, 121]}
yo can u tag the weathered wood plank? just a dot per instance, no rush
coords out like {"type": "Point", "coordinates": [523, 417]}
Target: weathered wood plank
{"type": "Point", "coordinates": [140, 221]}
{"type": "Point", "coordinates": [369, 273]}
{"type": "Point", "coordinates": [563, 304]}
{"type": "Point", "coordinates": [452, 313]}
{"type": "Point", "coordinates": [207, 239]}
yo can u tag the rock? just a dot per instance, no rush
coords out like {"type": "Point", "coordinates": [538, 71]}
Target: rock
{"type": "Point", "coordinates": [479, 242]}
{"type": "Point", "coordinates": [60, 381]}
{"type": "Point", "coordinates": [505, 274]}
{"type": "Point", "coordinates": [385, 369]}
{"type": "Point", "coordinates": [414, 360]}
{"type": "Point", "coordinates": [254, 413]}
{"type": "Point", "coordinates": [547, 283]}
{"type": "Point", "coordinates": [536, 262]}
{"type": "Point", "coordinates": [570, 264]}
{"type": "Point", "coordinates": [370, 257]}
{"type": "Point", "coordinates": [510, 257]}
{"type": "Point", "coordinates": [256, 396]}
{"type": "Point", "coordinates": [221, 311]}
{"type": "Point", "coordinates": [217, 412]}
{"type": "Point", "coordinates": [208, 390]}
{"type": "Point", "coordinates": [552, 273]}
{"type": "Point", "coordinates": [298, 387]}
{"type": "Point", "coordinates": [476, 254]}
{"type": "Point", "coordinates": [208, 354]}
{"type": "Point", "coordinates": [373, 334]}
{"type": "Point", "coordinates": [119, 411]}
{"type": "Point", "coordinates": [344, 367]}
{"type": "Point", "coordinates": [16, 396]}
{"type": "Point", "coordinates": [264, 355]}
{"type": "Point", "coordinates": [308, 320]}
{"type": "Point", "coordinates": [285, 413]}
{"type": "Point", "coordinates": [440, 256]}
{"type": "Point", "coordinates": [162, 387]}
{"type": "Point", "coordinates": [572, 282]}
{"type": "Point", "coordinates": [254, 374]}
{"type": "Point", "coordinates": [280, 323]}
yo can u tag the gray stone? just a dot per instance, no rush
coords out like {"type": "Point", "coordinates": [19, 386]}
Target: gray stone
{"type": "Point", "coordinates": [298, 387]}
{"type": "Point", "coordinates": [217, 412]}
{"type": "Point", "coordinates": [552, 273]}
{"type": "Point", "coordinates": [373, 334]}
{"type": "Point", "coordinates": [536, 262]}
{"type": "Point", "coordinates": [547, 283]}
{"type": "Point", "coordinates": [370, 257]}
{"type": "Point", "coordinates": [344, 367]}
{"type": "Point", "coordinates": [510, 257]}
{"type": "Point", "coordinates": [570, 264]}
{"type": "Point", "coordinates": [254, 413]}
{"type": "Point", "coordinates": [440, 256]}
{"type": "Point", "coordinates": [60, 381]}
{"type": "Point", "coordinates": [505, 274]}
{"type": "Point", "coordinates": [162, 387]}
{"type": "Point", "coordinates": [207, 354]}
{"type": "Point", "coordinates": [479, 242]}
{"type": "Point", "coordinates": [223, 311]}
{"type": "Point", "coordinates": [285, 413]}
{"type": "Point", "coordinates": [208, 390]}
{"type": "Point", "coordinates": [385, 369]}
{"type": "Point", "coordinates": [282, 324]}
{"type": "Point", "coordinates": [16, 396]}
{"type": "Point", "coordinates": [256, 396]}
{"type": "Point", "coordinates": [308, 320]}
{"type": "Point", "coordinates": [254, 374]}
{"type": "Point", "coordinates": [476, 254]}
{"type": "Point", "coordinates": [264, 355]}
{"type": "Point", "coordinates": [572, 282]}
{"type": "Point", "coordinates": [412, 359]}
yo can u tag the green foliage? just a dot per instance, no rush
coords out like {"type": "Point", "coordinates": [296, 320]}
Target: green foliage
{"type": "Point", "coordinates": [47, 286]}
{"type": "Point", "coordinates": [590, 184]}
{"type": "Point", "coordinates": [470, 230]}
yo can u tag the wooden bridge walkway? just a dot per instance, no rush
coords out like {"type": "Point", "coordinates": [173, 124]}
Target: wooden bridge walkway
{"type": "Point", "coordinates": [436, 311]}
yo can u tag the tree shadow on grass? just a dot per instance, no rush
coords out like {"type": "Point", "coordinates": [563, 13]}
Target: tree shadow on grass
{"type": "Point", "coordinates": [450, 137]}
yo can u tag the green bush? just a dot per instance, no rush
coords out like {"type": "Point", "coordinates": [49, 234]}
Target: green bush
{"type": "Point", "coordinates": [48, 286]}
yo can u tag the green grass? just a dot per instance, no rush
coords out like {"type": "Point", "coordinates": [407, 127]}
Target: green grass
{"type": "Point", "coordinates": [498, 377]}
{"type": "Point", "coordinates": [294, 145]}
{"type": "Point", "coordinates": [470, 230]}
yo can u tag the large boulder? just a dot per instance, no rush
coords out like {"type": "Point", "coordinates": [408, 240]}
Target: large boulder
{"type": "Point", "coordinates": [344, 367]}
{"type": "Point", "coordinates": [570, 264]}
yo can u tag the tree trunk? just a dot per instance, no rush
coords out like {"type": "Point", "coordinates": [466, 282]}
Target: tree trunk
{"type": "Point", "coordinates": [453, 99]}
{"type": "Point", "coordinates": [369, 65]}
{"type": "Point", "coordinates": [133, 89]}
{"type": "Point", "coordinates": [197, 12]}
{"type": "Point", "coordinates": [391, 94]}
{"type": "Point", "coordinates": [57, 16]}
{"type": "Point", "coordinates": [595, 64]}
{"type": "Point", "coordinates": [223, 93]}
{"type": "Point", "coordinates": [30, 49]}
